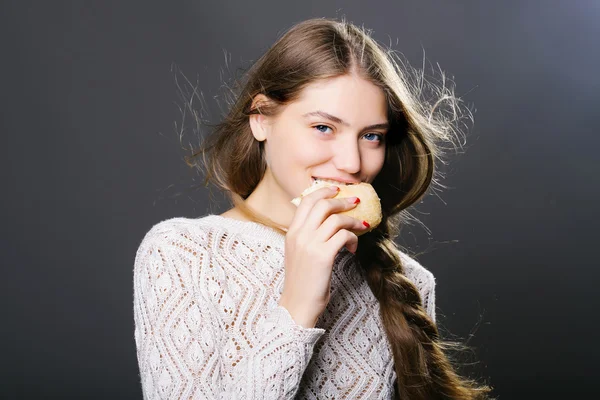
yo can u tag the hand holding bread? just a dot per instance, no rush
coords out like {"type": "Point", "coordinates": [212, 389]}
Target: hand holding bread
{"type": "Point", "coordinates": [369, 208]}
{"type": "Point", "coordinates": [329, 217]}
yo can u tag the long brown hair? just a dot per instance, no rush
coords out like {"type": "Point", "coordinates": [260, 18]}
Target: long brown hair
{"type": "Point", "coordinates": [422, 129]}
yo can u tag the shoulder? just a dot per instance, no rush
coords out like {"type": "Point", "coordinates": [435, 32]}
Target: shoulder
{"type": "Point", "coordinates": [174, 250]}
{"type": "Point", "coordinates": [178, 228]}
{"type": "Point", "coordinates": [206, 238]}
{"type": "Point", "coordinates": [175, 236]}
{"type": "Point", "coordinates": [178, 225]}
{"type": "Point", "coordinates": [423, 279]}
{"type": "Point", "coordinates": [416, 272]}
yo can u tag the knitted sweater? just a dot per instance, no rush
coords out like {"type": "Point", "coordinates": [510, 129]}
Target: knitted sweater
{"type": "Point", "coordinates": [208, 324]}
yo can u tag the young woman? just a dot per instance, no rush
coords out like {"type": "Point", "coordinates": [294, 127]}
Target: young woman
{"type": "Point", "coordinates": [274, 301]}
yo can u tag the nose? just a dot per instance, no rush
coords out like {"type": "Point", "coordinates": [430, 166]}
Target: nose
{"type": "Point", "coordinates": [347, 156]}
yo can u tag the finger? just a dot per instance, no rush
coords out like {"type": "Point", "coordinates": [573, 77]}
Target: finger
{"type": "Point", "coordinates": [343, 238]}
{"type": "Point", "coordinates": [335, 223]}
{"type": "Point", "coordinates": [307, 204]}
{"type": "Point", "coordinates": [326, 207]}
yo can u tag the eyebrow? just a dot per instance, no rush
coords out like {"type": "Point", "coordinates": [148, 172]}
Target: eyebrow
{"type": "Point", "coordinates": [338, 120]}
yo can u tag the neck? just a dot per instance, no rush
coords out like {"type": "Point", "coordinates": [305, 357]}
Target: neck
{"type": "Point", "coordinates": [270, 201]}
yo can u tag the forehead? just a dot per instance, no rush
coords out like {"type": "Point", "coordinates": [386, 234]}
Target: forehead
{"type": "Point", "coordinates": [349, 97]}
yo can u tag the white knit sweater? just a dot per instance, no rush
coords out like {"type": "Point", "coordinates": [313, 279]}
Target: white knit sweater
{"type": "Point", "coordinates": [208, 324]}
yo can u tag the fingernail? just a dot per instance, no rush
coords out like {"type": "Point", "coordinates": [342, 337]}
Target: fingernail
{"type": "Point", "coordinates": [365, 223]}
{"type": "Point", "coordinates": [335, 188]}
{"type": "Point", "coordinates": [353, 200]}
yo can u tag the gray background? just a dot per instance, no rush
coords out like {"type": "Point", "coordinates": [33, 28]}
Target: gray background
{"type": "Point", "coordinates": [91, 160]}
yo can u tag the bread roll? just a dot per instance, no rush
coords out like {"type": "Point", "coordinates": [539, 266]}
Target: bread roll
{"type": "Point", "coordinates": [369, 208]}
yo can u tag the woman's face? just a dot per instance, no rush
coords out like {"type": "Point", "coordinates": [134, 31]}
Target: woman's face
{"type": "Point", "coordinates": [336, 130]}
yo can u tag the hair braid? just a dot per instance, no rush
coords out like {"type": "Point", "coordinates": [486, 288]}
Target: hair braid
{"type": "Point", "coordinates": [424, 370]}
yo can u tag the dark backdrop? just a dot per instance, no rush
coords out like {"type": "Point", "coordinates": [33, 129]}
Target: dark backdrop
{"type": "Point", "coordinates": [91, 160]}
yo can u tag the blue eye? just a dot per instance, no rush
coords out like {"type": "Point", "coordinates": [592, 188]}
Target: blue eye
{"type": "Point", "coordinates": [321, 126]}
{"type": "Point", "coordinates": [376, 135]}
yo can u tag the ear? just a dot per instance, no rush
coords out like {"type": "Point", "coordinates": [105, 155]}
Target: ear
{"type": "Point", "coordinates": [259, 122]}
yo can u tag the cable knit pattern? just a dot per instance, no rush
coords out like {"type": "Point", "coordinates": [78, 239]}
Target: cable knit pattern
{"type": "Point", "coordinates": [208, 324]}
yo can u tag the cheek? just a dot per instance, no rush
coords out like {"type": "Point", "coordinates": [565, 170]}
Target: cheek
{"type": "Point", "coordinates": [375, 163]}
{"type": "Point", "coordinates": [303, 149]}
{"type": "Point", "coordinates": [308, 154]}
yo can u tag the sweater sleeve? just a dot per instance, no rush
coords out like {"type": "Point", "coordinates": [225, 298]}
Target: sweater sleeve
{"type": "Point", "coordinates": [185, 349]}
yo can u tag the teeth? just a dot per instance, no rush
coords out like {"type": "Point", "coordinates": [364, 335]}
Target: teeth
{"type": "Point", "coordinates": [330, 181]}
